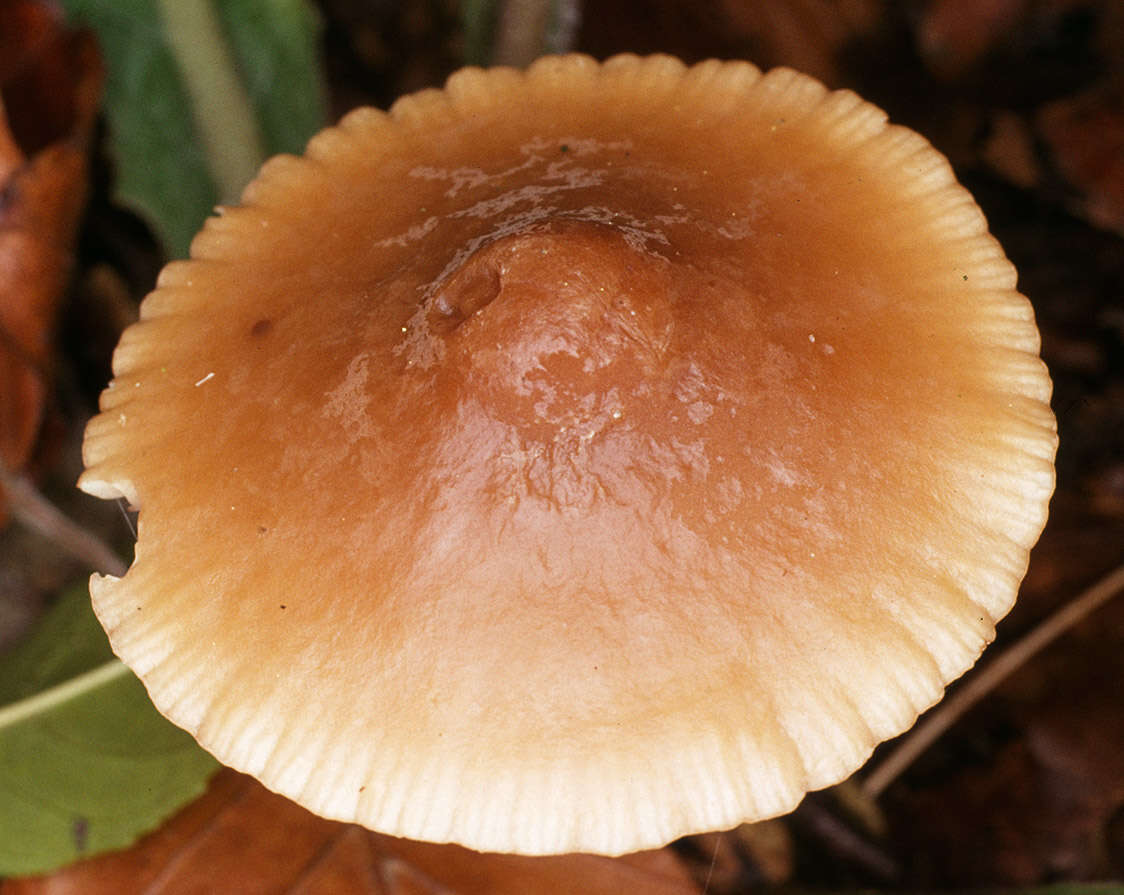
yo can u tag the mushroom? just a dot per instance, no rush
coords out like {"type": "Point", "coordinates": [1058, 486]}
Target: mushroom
{"type": "Point", "coordinates": [574, 459]}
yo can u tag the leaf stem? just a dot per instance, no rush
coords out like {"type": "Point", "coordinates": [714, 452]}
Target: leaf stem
{"type": "Point", "coordinates": [39, 514]}
{"type": "Point", "coordinates": [222, 109]}
{"type": "Point", "coordinates": [45, 700]}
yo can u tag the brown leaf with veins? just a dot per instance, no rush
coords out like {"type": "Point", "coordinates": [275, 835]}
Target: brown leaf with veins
{"type": "Point", "coordinates": [239, 837]}
{"type": "Point", "coordinates": [50, 86]}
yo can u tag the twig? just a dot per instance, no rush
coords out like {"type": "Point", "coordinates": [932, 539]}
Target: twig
{"type": "Point", "coordinates": [36, 512]}
{"type": "Point", "coordinates": [519, 31]}
{"type": "Point", "coordinates": [526, 29]}
{"type": "Point", "coordinates": [562, 32]}
{"type": "Point", "coordinates": [846, 843]}
{"type": "Point", "coordinates": [941, 719]}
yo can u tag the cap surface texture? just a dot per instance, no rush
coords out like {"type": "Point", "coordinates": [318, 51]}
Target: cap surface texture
{"type": "Point", "coordinates": [573, 459]}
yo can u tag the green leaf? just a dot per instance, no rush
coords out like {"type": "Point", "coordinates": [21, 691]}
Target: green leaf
{"type": "Point", "coordinates": [276, 44]}
{"type": "Point", "coordinates": [86, 763]}
{"type": "Point", "coordinates": [199, 93]}
{"type": "Point", "coordinates": [478, 22]}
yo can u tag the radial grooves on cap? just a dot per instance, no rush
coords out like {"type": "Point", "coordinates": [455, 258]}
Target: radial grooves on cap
{"type": "Point", "coordinates": [849, 668]}
{"type": "Point", "coordinates": [1016, 321]}
{"type": "Point", "coordinates": [950, 587]}
{"type": "Point", "coordinates": [476, 88]}
{"type": "Point", "coordinates": [280, 166]}
{"type": "Point", "coordinates": [847, 120]}
{"type": "Point", "coordinates": [628, 72]}
{"type": "Point", "coordinates": [745, 745]}
{"type": "Point", "coordinates": [954, 212]}
{"type": "Point", "coordinates": [724, 84]}
{"type": "Point", "coordinates": [785, 96]}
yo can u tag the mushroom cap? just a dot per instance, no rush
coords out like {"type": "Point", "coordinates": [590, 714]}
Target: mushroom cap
{"type": "Point", "coordinates": [573, 459]}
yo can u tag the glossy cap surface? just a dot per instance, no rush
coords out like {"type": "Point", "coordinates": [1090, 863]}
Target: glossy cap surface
{"type": "Point", "coordinates": [574, 459]}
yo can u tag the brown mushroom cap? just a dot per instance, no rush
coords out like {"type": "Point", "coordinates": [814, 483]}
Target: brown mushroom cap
{"type": "Point", "coordinates": [573, 459]}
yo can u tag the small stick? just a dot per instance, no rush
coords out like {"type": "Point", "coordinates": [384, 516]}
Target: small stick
{"type": "Point", "coordinates": [845, 842]}
{"type": "Point", "coordinates": [528, 28]}
{"type": "Point", "coordinates": [942, 718]}
{"type": "Point", "coordinates": [520, 31]}
{"type": "Point", "coordinates": [31, 508]}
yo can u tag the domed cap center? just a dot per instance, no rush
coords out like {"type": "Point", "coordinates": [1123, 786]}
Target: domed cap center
{"type": "Point", "coordinates": [553, 326]}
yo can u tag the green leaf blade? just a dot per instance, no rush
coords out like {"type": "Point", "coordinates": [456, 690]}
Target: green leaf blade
{"type": "Point", "coordinates": [86, 765]}
{"type": "Point", "coordinates": [161, 171]}
{"type": "Point", "coordinates": [198, 93]}
{"type": "Point", "coordinates": [271, 41]}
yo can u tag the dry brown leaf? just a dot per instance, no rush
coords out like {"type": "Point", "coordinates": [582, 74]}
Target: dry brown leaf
{"type": "Point", "coordinates": [809, 35]}
{"type": "Point", "coordinates": [805, 34]}
{"type": "Point", "coordinates": [954, 35]}
{"type": "Point", "coordinates": [240, 837]}
{"type": "Point", "coordinates": [1086, 137]}
{"type": "Point", "coordinates": [50, 84]}
{"type": "Point", "coordinates": [1010, 151]}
